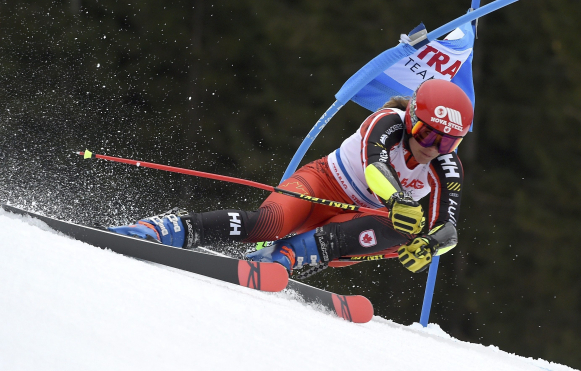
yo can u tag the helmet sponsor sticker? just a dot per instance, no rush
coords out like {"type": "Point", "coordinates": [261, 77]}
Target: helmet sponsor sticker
{"type": "Point", "coordinates": [454, 117]}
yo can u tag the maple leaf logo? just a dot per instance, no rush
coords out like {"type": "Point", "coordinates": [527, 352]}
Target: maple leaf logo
{"type": "Point", "coordinates": [367, 238]}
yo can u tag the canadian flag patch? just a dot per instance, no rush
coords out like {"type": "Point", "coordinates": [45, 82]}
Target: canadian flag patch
{"type": "Point", "coordinates": [367, 238]}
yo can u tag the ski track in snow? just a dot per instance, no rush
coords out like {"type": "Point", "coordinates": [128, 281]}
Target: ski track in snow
{"type": "Point", "coordinates": [66, 305]}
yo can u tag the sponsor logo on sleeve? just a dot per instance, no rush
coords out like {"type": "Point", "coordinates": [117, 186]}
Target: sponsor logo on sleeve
{"type": "Point", "coordinates": [235, 224]}
{"type": "Point", "coordinates": [367, 238]}
{"type": "Point", "coordinates": [449, 166]}
{"type": "Point", "coordinates": [453, 186]}
{"type": "Point", "coordinates": [383, 156]}
{"type": "Point", "coordinates": [452, 210]}
{"type": "Point", "coordinates": [393, 129]}
{"type": "Point", "coordinates": [383, 138]}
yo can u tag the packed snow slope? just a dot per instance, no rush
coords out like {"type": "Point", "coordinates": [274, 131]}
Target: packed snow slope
{"type": "Point", "coordinates": [66, 305]}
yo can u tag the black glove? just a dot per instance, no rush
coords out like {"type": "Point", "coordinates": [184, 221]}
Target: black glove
{"type": "Point", "coordinates": [406, 214]}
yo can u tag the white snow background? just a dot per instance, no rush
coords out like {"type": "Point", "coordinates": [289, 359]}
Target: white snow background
{"type": "Point", "coordinates": [66, 305]}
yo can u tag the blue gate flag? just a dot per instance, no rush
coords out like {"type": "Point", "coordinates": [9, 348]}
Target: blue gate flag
{"type": "Point", "coordinates": [372, 69]}
{"type": "Point", "coordinates": [405, 67]}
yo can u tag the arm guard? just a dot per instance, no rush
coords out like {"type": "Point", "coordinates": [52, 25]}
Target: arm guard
{"type": "Point", "coordinates": [381, 180]}
{"type": "Point", "coordinates": [443, 238]}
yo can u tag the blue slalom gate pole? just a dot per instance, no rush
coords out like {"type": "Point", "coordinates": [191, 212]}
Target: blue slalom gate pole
{"type": "Point", "coordinates": [347, 92]}
{"type": "Point", "coordinates": [310, 138]}
{"type": "Point", "coordinates": [360, 79]}
{"type": "Point", "coordinates": [469, 17]}
{"type": "Point", "coordinates": [433, 270]}
{"type": "Point", "coordinates": [429, 293]}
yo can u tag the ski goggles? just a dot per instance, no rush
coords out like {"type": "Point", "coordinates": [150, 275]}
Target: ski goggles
{"type": "Point", "coordinates": [426, 137]}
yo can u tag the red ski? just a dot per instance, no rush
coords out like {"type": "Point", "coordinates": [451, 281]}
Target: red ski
{"type": "Point", "coordinates": [353, 308]}
{"type": "Point", "coordinates": [271, 277]}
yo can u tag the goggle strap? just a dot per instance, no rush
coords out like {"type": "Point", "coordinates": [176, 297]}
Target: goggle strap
{"type": "Point", "coordinates": [417, 126]}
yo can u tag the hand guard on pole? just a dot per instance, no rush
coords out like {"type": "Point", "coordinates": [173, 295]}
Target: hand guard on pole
{"type": "Point", "coordinates": [406, 214]}
{"type": "Point", "coordinates": [417, 254]}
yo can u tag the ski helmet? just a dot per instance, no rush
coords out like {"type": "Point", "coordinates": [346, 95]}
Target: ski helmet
{"type": "Point", "coordinates": [441, 105]}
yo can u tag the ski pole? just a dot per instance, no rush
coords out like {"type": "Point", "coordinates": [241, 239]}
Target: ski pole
{"type": "Point", "coordinates": [367, 258]}
{"type": "Point", "coordinates": [88, 154]}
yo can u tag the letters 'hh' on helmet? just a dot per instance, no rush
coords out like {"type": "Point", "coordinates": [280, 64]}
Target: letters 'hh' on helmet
{"type": "Point", "coordinates": [443, 106]}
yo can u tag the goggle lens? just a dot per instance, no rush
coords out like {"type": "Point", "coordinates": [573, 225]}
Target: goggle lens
{"type": "Point", "coordinates": [427, 137]}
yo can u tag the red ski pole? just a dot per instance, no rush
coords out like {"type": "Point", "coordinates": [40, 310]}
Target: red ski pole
{"type": "Point", "coordinates": [88, 154]}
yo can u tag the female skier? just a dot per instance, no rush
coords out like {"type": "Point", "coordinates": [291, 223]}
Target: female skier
{"type": "Point", "coordinates": [400, 154]}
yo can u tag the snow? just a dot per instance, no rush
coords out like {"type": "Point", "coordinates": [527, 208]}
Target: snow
{"type": "Point", "coordinates": [66, 305]}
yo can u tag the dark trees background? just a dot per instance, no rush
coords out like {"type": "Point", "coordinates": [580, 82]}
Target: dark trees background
{"type": "Point", "coordinates": [233, 87]}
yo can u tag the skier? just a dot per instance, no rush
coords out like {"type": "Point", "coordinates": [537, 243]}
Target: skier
{"type": "Point", "coordinates": [400, 154]}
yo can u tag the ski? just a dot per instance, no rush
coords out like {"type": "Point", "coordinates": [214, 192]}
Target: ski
{"type": "Point", "coordinates": [353, 308]}
{"type": "Point", "coordinates": [270, 277]}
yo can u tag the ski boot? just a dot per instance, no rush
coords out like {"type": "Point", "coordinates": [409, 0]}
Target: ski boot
{"type": "Point", "coordinates": [295, 251]}
{"type": "Point", "coordinates": [166, 228]}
